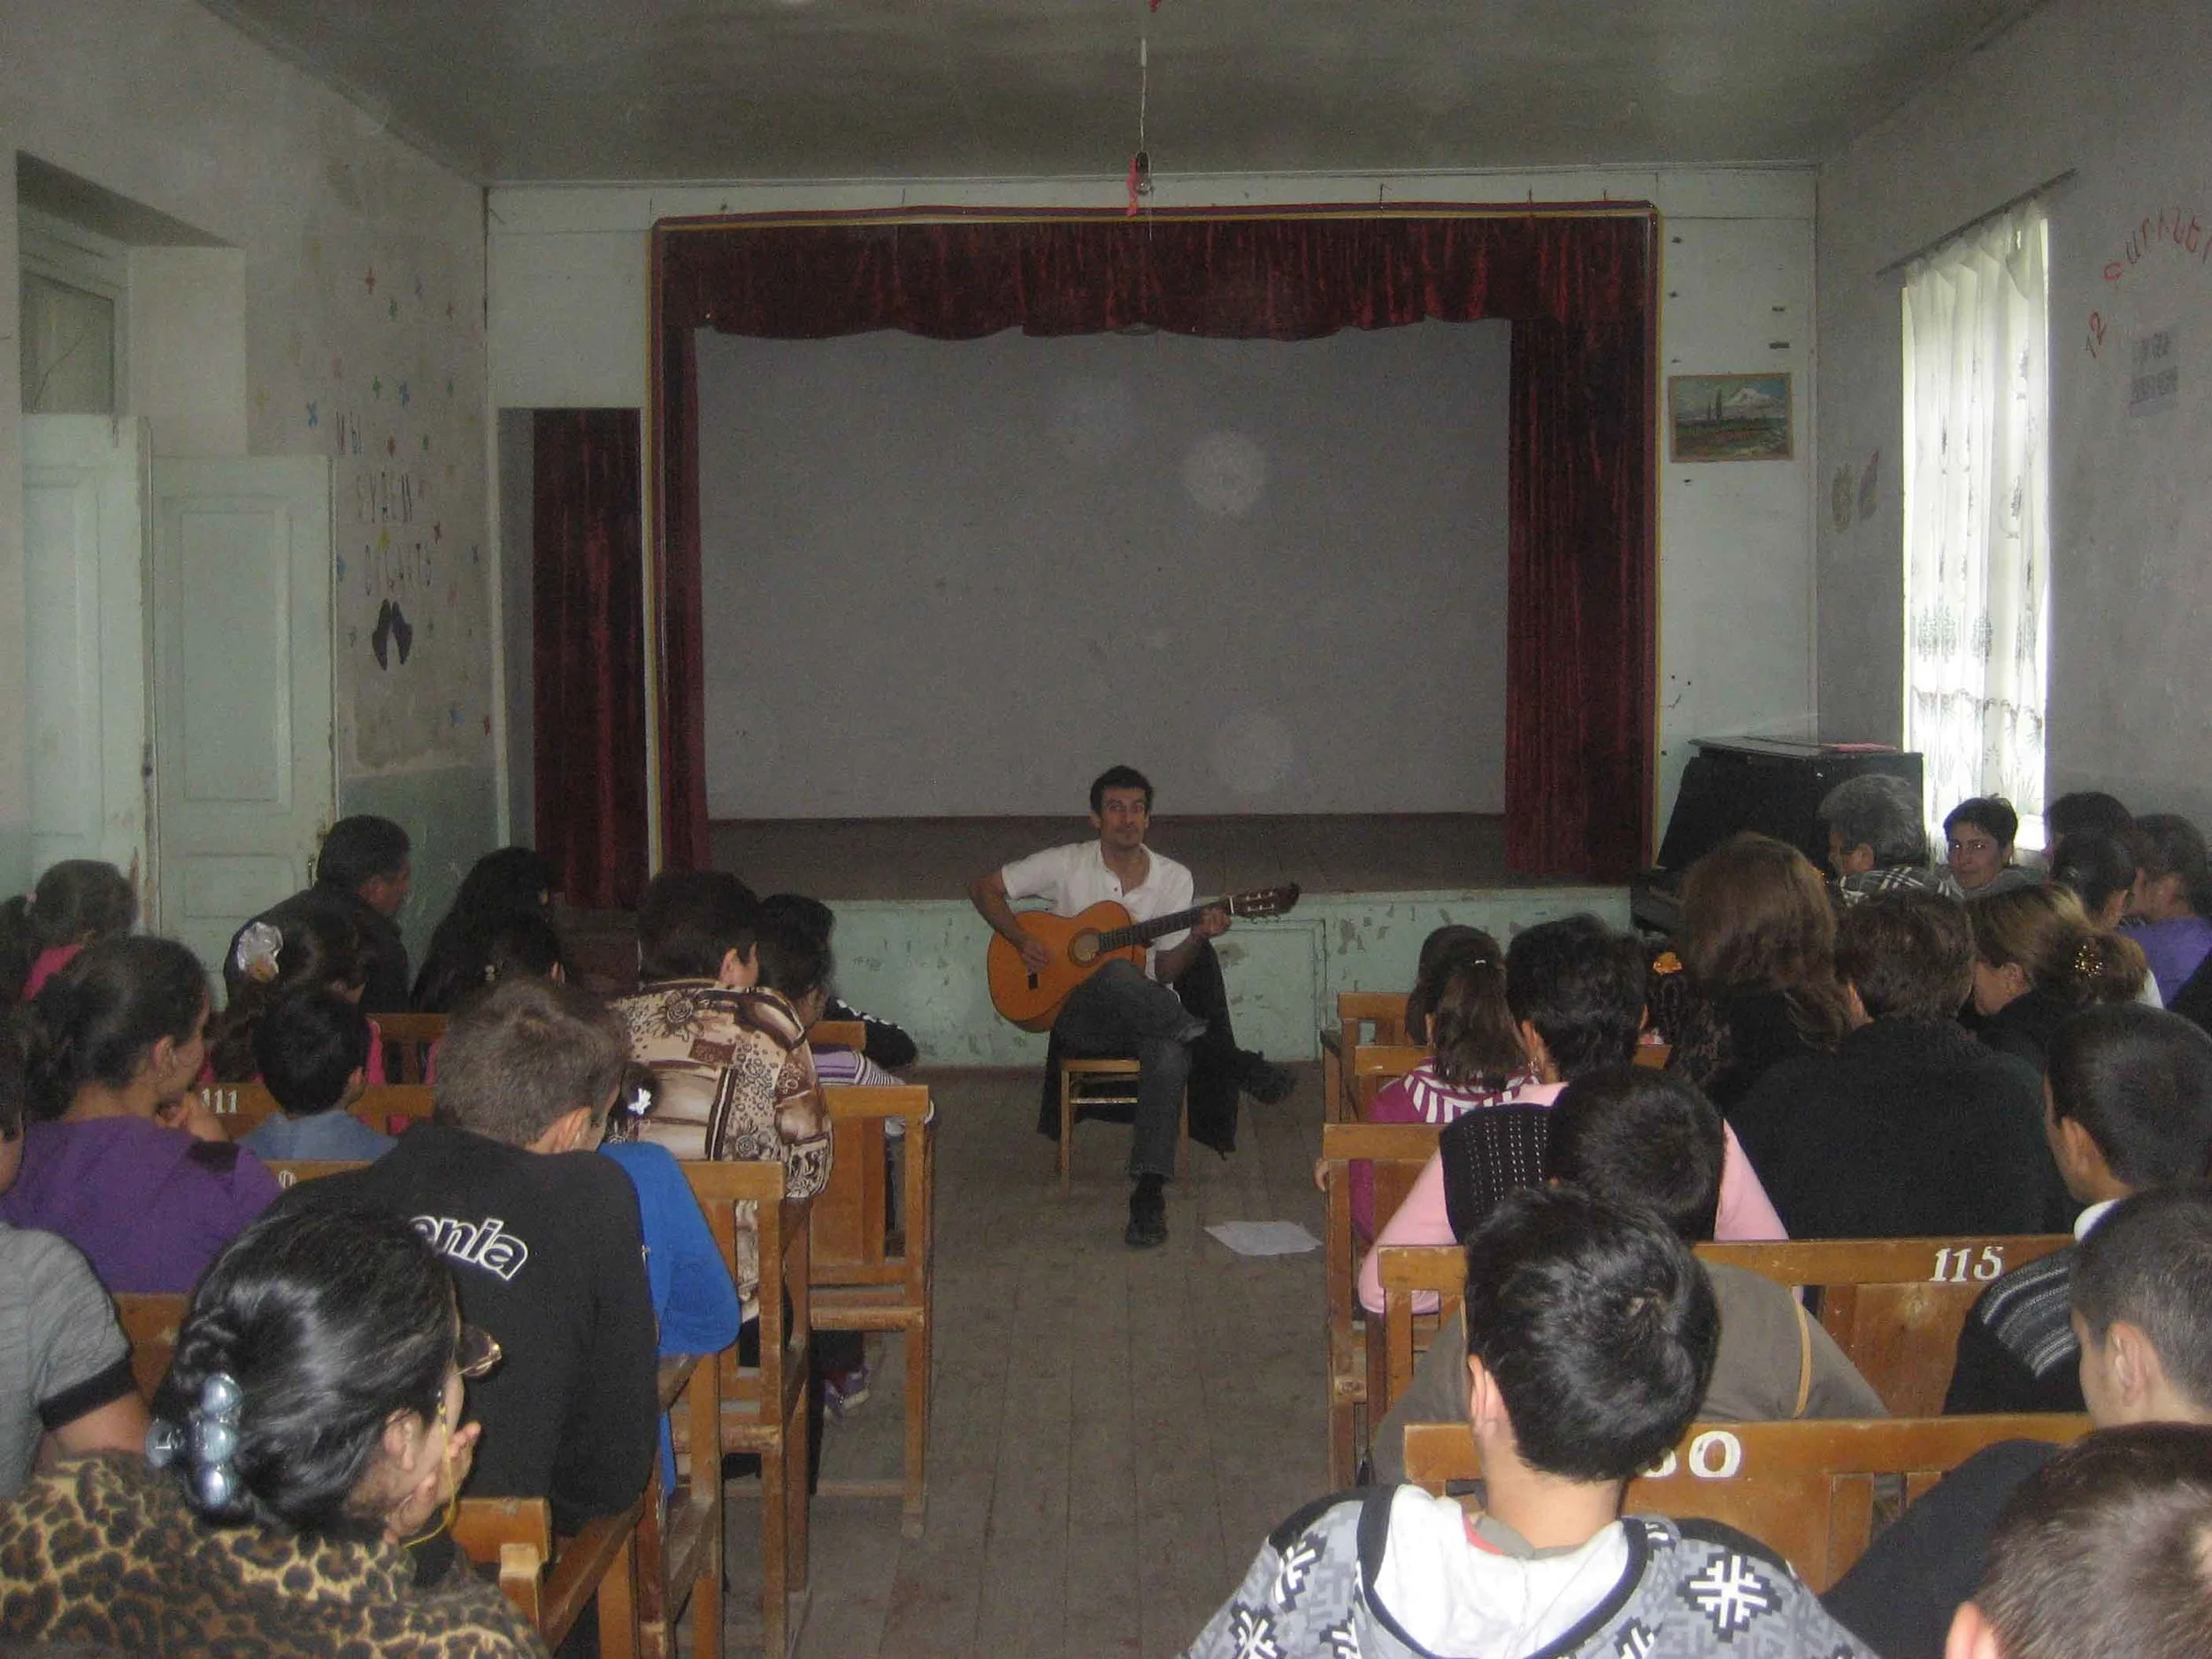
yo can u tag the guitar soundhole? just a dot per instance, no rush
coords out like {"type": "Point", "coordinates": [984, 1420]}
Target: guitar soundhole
{"type": "Point", "coordinates": [1083, 948]}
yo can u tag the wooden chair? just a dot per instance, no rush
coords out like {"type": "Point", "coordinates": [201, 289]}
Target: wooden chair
{"type": "Point", "coordinates": [763, 1406]}
{"type": "Point", "coordinates": [1356, 1012]}
{"type": "Point", "coordinates": [1085, 1082]}
{"type": "Point", "coordinates": [1374, 1067]}
{"type": "Point", "coordinates": [551, 1582]}
{"type": "Point", "coordinates": [679, 1529]}
{"type": "Point", "coordinates": [1894, 1306]}
{"type": "Point", "coordinates": [408, 1040]}
{"type": "Point", "coordinates": [150, 1320]}
{"type": "Point", "coordinates": [1409, 1270]}
{"type": "Point", "coordinates": [837, 1033]}
{"type": "Point", "coordinates": [291, 1171]}
{"type": "Point", "coordinates": [391, 1108]}
{"type": "Point", "coordinates": [241, 1108]}
{"type": "Point", "coordinates": [1397, 1151]}
{"type": "Point", "coordinates": [1805, 1489]}
{"type": "Point", "coordinates": [868, 1276]}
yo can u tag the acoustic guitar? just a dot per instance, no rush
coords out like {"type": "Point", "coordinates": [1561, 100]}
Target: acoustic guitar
{"type": "Point", "coordinates": [1081, 945]}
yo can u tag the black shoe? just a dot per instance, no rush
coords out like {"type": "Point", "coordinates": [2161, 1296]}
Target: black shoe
{"type": "Point", "coordinates": [1269, 1085]}
{"type": "Point", "coordinates": [1147, 1214]}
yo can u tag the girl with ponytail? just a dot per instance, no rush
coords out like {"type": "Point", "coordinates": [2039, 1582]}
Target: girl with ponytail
{"type": "Point", "coordinates": [120, 1157]}
{"type": "Point", "coordinates": [2038, 961]}
{"type": "Point", "coordinates": [76, 902]}
{"type": "Point", "coordinates": [313, 1423]}
{"type": "Point", "coordinates": [306, 943]}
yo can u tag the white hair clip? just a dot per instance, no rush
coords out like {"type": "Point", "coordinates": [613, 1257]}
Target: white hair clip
{"type": "Point", "coordinates": [256, 956]}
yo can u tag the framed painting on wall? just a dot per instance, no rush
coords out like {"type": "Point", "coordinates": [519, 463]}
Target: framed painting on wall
{"type": "Point", "coordinates": [1728, 417]}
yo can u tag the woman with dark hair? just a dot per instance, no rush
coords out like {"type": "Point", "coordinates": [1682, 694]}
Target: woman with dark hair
{"type": "Point", "coordinates": [311, 1425]}
{"type": "Point", "coordinates": [503, 891]}
{"type": "Point", "coordinates": [76, 902]}
{"type": "Point", "coordinates": [2172, 899]}
{"type": "Point", "coordinates": [1759, 944]}
{"type": "Point", "coordinates": [2038, 962]}
{"type": "Point", "coordinates": [306, 943]}
{"type": "Point", "coordinates": [121, 1159]}
{"type": "Point", "coordinates": [1981, 832]}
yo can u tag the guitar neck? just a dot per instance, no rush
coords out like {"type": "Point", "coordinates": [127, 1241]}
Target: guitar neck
{"type": "Point", "coordinates": [1145, 933]}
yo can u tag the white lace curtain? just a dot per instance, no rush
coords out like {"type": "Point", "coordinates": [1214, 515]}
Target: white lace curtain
{"type": "Point", "coordinates": [1977, 506]}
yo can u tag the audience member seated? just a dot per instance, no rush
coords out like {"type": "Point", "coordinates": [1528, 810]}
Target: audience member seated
{"type": "Point", "coordinates": [1421, 999]}
{"type": "Point", "coordinates": [2103, 1553]}
{"type": "Point", "coordinates": [310, 1425]}
{"type": "Point", "coordinates": [1758, 941]}
{"type": "Point", "coordinates": [2038, 962]}
{"type": "Point", "coordinates": [122, 1159]}
{"type": "Point", "coordinates": [1630, 1135]}
{"type": "Point", "coordinates": [1981, 832]}
{"type": "Point", "coordinates": [365, 870]}
{"type": "Point", "coordinates": [544, 1239]}
{"type": "Point", "coordinates": [66, 1379]}
{"type": "Point", "coordinates": [1591, 1336]}
{"type": "Point", "coordinates": [796, 962]}
{"type": "Point", "coordinates": [2173, 893]}
{"type": "Point", "coordinates": [512, 885]}
{"type": "Point", "coordinates": [733, 1076]}
{"type": "Point", "coordinates": [2098, 868]}
{"type": "Point", "coordinates": [1576, 989]}
{"type": "Point", "coordinates": [886, 1045]}
{"type": "Point", "coordinates": [2085, 812]}
{"type": "Point", "coordinates": [1911, 1127]}
{"type": "Point", "coordinates": [306, 943]}
{"type": "Point", "coordinates": [311, 1052]}
{"type": "Point", "coordinates": [1478, 1057]}
{"type": "Point", "coordinates": [1877, 842]}
{"type": "Point", "coordinates": [2137, 1296]}
{"type": "Point", "coordinates": [2129, 1108]}
{"type": "Point", "coordinates": [75, 902]}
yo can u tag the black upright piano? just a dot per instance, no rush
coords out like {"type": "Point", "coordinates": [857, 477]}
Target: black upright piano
{"type": "Point", "coordinates": [1773, 784]}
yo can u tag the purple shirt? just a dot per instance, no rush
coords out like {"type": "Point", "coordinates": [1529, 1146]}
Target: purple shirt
{"type": "Point", "coordinates": [149, 1207]}
{"type": "Point", "coordinates": [2175, 949]}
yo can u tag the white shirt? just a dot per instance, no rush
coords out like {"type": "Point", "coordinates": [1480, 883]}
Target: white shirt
{"type": "Point", "coordinates": [1072, 879]}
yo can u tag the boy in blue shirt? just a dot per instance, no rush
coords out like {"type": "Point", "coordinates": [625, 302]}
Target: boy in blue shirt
{"type": "Point", "coordinates": [313, 1052]}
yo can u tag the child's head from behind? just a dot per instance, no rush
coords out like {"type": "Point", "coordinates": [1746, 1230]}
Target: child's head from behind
{"type": "Point", "coordinates": [692, 923]}
{"type": "Point", "coordinates": [1630, 1134]}
{"type": "Point", "coordinates": [530, 1056]}
{"type": "Point", "coordinates": [795, 959]}
{"type": "Point", "coordinates": [1579, 985]}
{"type": "Point", "coordinates": [312, 1049]}
{"type": "Point", "coordinates": [1597, 1328]}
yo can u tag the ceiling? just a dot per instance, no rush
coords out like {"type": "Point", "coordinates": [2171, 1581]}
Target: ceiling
{"type": "Point", "coordinates": [515, 90]}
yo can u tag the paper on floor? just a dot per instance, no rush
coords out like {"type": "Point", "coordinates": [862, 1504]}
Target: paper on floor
{"type": "Point", "coordinates": [1265, 1238]}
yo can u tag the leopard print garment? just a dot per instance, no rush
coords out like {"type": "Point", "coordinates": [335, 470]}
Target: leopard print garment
{"type": "Point", "coordinates": [103, 1551]}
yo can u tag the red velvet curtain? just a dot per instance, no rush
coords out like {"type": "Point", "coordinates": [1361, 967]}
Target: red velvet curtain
{"type": "Point", "coordinates": [1578, 285]}
{"type": "Point", "coordinates": [587, 653]}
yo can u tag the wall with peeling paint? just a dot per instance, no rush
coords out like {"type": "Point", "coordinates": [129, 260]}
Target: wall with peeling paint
{"type": "Point", "coordinates": [921, 963]}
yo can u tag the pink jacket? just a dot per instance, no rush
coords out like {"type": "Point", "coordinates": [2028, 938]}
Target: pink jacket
{"type": "Point", "coordinates": [1744, 1214]}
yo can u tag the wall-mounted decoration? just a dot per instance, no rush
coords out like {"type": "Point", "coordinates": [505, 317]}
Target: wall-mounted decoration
{"type": "Point", "coordinates": [1728, 417]}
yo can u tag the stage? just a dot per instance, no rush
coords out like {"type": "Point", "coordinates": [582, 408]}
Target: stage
{"type": "Point", "coordinates": [909, 946]}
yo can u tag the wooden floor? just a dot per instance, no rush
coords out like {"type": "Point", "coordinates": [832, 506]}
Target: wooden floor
{"type": "Point", "coordinates": [1115, 1432]}
{"type": "Point", "coordinates": [935, 858]}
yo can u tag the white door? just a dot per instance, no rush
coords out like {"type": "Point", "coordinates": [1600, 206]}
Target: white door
{"type": "Point", "coordinates": [242, 605]}
{"type": "Point", "coordinates": [85, 489]}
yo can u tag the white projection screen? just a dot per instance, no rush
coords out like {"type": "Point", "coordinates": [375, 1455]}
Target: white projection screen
{"type": "Point", "coordinates": [960, 578]}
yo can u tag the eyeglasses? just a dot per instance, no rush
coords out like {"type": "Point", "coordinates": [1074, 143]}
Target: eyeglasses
{"type": "Point", "coordinates": [476, 1352]}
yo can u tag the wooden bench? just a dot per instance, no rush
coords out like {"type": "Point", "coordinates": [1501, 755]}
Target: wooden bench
{"type": "Point", "coordinates": [1894, 1306]}
{"type": "Point", "coordinates": [870, 1273]}
{"type": "Point", "coordinates": [1804, 1489]}
{"type": "Point", "coordinates": [679, 1530]}
{"type": "Point", "coordinates": [407, 1040]}
{"type": "Point", "coordinates": [763, 1406]}
{"type": "Point", "coordinates": [150, 1320]}
{"type": "Point", "coordinates": [242, 1108]}
{"type": "Point", "coordinates": [549, 1581]}
{"type": "Point", "coordinates": [1375, 1066]}
{"type": "Point", "coordinates": [1361, 1017]}
{"type": "Point", "coordinates": [291, 1171]}
{"type": "Point", "coordinates": [1397, 1151]}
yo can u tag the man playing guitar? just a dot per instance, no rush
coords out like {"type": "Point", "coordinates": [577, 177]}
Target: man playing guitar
{"type": "Point", "coordinates": [1123, 1010]}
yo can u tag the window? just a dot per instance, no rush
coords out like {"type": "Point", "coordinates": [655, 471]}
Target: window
{"type": "Point", "coordinates": [1977, 509]}
{"type": "Point", "coordinates": [73, 283]}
